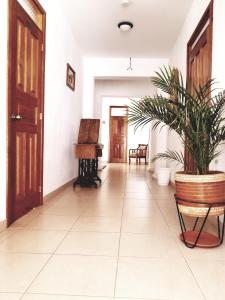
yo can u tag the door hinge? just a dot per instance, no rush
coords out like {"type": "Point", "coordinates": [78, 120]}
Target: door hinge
{"type": "Point", "coordinates": [42, 47]}
{"type": "Point", "coordinates": [40, 116]}
{"type": "Point", "coordinates": [40, 188]}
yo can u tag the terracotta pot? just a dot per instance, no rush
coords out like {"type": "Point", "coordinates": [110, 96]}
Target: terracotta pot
{"type": "Point", "coordinates": [198, 192]}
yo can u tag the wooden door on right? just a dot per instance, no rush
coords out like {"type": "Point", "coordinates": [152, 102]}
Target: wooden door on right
{"type": "Point", "coordinates": [199, 62]}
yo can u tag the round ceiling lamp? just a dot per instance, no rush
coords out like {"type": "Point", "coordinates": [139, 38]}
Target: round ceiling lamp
{"type": "Point", "coordinates": [125, 26]}
{"type": "Point", "coordinates": [125, 2]}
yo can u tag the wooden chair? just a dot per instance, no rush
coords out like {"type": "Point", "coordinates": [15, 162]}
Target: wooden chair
{"type": "Point", "coordinates": [138, 153]}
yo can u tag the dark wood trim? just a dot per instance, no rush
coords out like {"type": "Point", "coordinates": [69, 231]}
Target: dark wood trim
{"type": "Point", "coordinates": [191, 52]}
{"type": "Point", "coordinates": [201, 42]}
{"type": "Point", "coordinates": [11, 19]}
{"type": "Point", "coordinates": [208, 15]}
{"type": "Point", "coordinates": [40, 7]}
{"type": "Point", "coordinates": [110, 109]}
{"type": "Point", "coordinates": [43, 97]}
{"type": "Point", "coordinates": [11, 24]}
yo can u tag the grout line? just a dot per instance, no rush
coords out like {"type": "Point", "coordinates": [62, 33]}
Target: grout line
{"type": "Point", "coordinates": [51, 256]}
{"type": "Point", "coordinates": [193, 275]}
{"type": "Point", "coordinates": [90, 296]}
{"type": "Point", "coordinates": [48, 260]}
{"type": "Point", "coordinates": [124, 178]}
{"type": "Point", "coordinates": [179, 249]}
{"type": "Point", "coordinates": [117, 264]}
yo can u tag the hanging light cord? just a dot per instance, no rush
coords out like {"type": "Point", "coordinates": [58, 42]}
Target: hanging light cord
{"type": "Point", "coordinates": [130, 66]}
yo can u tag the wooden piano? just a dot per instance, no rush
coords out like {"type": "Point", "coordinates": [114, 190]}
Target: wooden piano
{"type": "Point", "coordinates": [87, 150]}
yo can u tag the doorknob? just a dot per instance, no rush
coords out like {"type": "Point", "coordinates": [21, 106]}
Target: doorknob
{"type": "Point", "coordinates": [16, 117]}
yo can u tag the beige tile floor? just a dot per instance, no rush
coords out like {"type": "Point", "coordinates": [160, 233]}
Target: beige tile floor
{"type": "Point", "coordinates": [119, 241]}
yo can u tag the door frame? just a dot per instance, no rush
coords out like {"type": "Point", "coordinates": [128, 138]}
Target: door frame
{"type": "Point", "coordinates": [110, 109]}
{"type": "Point", "coordinates": [198, 32]}
{"type": "Point", "coordinates": [11, 33]}
{"type": "Point", "coordinates": [208, 15]}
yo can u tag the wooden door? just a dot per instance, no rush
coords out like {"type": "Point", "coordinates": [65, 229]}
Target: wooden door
{"type": "Point", "coordinates": [26, 87]}
{"type": "Point", "coordinates": [199, 62]}
{"type": "Point", "coordinates": [118, 134]}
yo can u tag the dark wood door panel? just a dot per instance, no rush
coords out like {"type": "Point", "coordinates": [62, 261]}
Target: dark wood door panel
{"type": "Point", "coordinates": [25, 112]}
{"type": "Point", "coordinates": [199, 62]}
{"type": "Point", "coordinates": [118, 139]}
{"type": "Point", "coordinates": [20, 163]}
{"type": "Point", "coordinates": [29, 114]}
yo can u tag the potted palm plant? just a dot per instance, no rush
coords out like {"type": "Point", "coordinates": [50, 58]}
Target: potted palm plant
{"type": "Point", "coordinates": [198, 118]}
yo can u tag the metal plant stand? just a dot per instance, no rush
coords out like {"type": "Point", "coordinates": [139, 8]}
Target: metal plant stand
{"type": "Point", "coordinates": [88, 173]}
{"type": "Point", "coordinates": [198, 237]}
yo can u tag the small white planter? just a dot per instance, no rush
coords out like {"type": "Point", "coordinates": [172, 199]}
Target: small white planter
{"type": "Point", "coordinates": [163, 176]}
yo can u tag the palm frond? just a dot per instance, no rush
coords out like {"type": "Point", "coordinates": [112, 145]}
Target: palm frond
{"type": "Point", "coordinates": [197, 116]}
{"type": "Point", "coordinates": [171, 156]}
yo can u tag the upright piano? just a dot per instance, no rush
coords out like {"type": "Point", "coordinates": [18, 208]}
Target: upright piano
{"type": "Point", "coordinates": [87, 150]}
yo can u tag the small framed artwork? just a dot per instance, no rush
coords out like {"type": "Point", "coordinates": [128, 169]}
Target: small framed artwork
{"type": "Point", "coordinates": [70, 77]}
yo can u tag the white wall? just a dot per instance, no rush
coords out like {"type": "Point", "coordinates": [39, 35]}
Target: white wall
{"type": "Point", "coordinates": [62, 106]}
{"type": "Point", "coordinates": [3, 109]}
{"type": "Point", "coordinates": [113, 67]}
{"type": "Point", "coordinates": [218, 63]}
{"type": "Point", "coordinates": [130, 88]}
{"type": "Point", "coordinates": [178, 56]}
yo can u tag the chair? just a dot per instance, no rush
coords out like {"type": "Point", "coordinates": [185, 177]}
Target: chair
{"type": "Point", "coordinates": [138, 153]}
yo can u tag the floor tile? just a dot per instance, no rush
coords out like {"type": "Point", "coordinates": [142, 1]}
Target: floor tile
{"type": "Point", "coordinates": [25, 220]}
{"type": "Point", "coordinates": [5, 234]}
{"type": "Point", "coordinates": [148, 245]}
{"type": "Point", "coordinates": [103, 212]}
{"type": "Point", "coordinates": [140, 299]}
{"type": "Point", "coordinates": [105, 200]}
{"type": "Point", "coordinates": [18, 270]}
{"type": "Point", "coordinates": [155, 225]}
{"type": "Point", "coordinates": [52, 222]}
{"type": "Point", "coordinates": [90, 243]}
{"type": "Point", "coordinates": [10, 296]}
{"type": "Point", "coordinates": [141, 212]}
{"type": "Point", "coordinates": [60, 297]}
{"type": "Point", "coordinates": [156, 279]}
{"type": "Point", "coordinates": [64, 209]}
{"type": "Point", "coordinates": [210, 274]}
{"type": "Point", "coordinates": [85, 225]}
{"type": "Point", "coordinates": [32, 241]}
{"type": "Point", "coordinates": [77, 275]}
{"type": "Point", "coordinates": [99, 224]}
{"type": "Point", "coordinates": [138, 195]}
{"type": "Point", "coordinates": [139, 203]}
{"type": "Point", "coordinates": [105, 205]}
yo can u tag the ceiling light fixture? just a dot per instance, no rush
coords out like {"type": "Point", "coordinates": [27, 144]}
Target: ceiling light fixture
{"type": "Point", "coordinates": [125, 2]}
{"type": "Point", "coordinates": [125, 26]}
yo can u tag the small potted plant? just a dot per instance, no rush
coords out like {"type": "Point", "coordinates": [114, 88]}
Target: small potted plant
{"type": "Point", "coordinates": [163, 175]}
{"type": "Point", "coordinates": [198, 118]}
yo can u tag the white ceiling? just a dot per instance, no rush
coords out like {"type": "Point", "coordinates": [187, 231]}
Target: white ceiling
{"type": "Point", "coordinates": [156, 26]}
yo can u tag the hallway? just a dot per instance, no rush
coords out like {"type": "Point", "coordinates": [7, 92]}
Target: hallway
{"type": "Point", "coordinates": [119, 240]}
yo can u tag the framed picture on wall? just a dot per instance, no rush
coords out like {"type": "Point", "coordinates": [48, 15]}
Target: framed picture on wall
{"type": "Point", "coordinates": [70, 77]}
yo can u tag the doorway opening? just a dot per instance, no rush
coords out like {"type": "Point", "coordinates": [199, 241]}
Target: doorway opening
{"type": "Point", "coordinates": [118, 134]}
{"type": "Point", "coordinates": [141, 136]}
